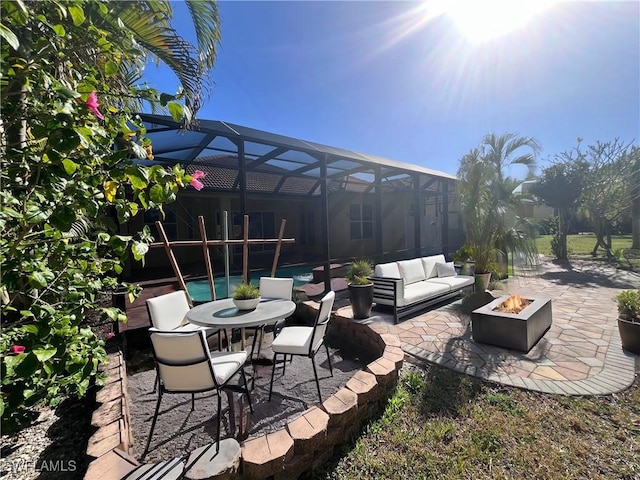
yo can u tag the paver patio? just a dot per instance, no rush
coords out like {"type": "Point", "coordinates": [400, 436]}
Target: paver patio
{"type": "Point", "coordinates": [580, 354]}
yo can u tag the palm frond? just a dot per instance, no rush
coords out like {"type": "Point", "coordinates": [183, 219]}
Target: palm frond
{"type": "Point", "coordinates": [206, 21]}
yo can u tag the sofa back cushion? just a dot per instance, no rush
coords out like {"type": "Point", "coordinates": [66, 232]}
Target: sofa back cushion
{"type": "Point", "coordinates": [411, 270]}
{"type": "Point", "coordinates": [446, 269]}
{"type": "Point", "coordinates": [389, 270]}
{"type": "Point", "coordinates": [429, 265]}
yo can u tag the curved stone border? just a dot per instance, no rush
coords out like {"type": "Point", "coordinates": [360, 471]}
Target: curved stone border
{"type": "Point", "coordinates": [305, 443]}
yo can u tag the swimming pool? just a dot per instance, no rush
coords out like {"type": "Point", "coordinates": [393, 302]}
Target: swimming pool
{"type": "Point", "coordinates": [199, 289]}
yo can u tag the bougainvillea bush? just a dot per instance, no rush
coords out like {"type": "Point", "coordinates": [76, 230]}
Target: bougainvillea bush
{"type": "Point", "coordinates": [71, 171]}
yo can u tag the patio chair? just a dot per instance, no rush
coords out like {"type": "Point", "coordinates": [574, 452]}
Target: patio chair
{"type": "Point", "coordinates": [156, 471]}
{"type": "Point", "coordinates": [271, 287]}
{"type": "Point", "coordinates": [184, 364]}
{"type": "Point", "coordinates": [304, 341]}
{"type": "Point", "coordinates": [167, 312]}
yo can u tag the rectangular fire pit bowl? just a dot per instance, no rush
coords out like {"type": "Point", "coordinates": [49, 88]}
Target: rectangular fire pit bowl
{"type": "Point", "coordinates": [518, 331]}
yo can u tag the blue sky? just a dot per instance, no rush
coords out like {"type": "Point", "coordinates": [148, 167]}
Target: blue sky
{"type": "Point", "coordinates": [394, 80]}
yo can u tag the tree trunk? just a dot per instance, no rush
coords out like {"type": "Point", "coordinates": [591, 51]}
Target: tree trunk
{"type": "Point", "coordinates": [563, 228]}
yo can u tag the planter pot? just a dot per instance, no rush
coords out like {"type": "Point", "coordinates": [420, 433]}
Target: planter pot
{"type": "Point", "coordinates": [361, 298]}
{"type": "Point", "coordinates": [248, 304]}
{"type": "Point", "coordinates": [629, 335]}
{"type": "Point", "coordinates": [482, 281]}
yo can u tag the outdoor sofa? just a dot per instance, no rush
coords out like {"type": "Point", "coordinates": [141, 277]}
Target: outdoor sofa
{"type": "Point", "coordinates": [412, 285]}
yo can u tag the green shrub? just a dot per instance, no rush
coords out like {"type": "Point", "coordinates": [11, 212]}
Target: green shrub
{"type": "Point", "coordinates": [71, 145]}
{"type": "Point", "coordinates": [629, 304]}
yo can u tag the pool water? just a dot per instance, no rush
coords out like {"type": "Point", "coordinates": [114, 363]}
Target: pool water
{"type": "Point", "coordinates": [199, 289]}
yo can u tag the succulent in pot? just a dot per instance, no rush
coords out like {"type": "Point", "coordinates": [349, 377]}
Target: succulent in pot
{"type": "Point", "coordinates": [246, 296]}
{"type": "Point", "coordinates": [629, 319]}
{"type": "Point", "coordinates": [360, 287]}
{"type": "Point", "coordinates": [359, 272]}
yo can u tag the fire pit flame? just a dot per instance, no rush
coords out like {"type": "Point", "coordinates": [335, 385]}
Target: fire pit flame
{"type": "Point", "coordinates": [513, 304]}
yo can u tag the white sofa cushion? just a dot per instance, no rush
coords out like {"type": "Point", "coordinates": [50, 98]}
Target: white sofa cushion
{"type": "Point", "coordinates": [445, 269]}
{"type": "Point", "coordinates": [419, 291]}
{"type": "Point", "coordinates": [455, 283]}
{"type": "Point", "coordinates": [429, 265]}
{"type": "Point", "coordinates": [411, 270]}
{"type": "Point", "coordinates": [389, 270]}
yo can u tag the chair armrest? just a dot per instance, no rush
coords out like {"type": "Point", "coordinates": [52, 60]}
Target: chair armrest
{"type": "Point", "coordinates": [388, 288]}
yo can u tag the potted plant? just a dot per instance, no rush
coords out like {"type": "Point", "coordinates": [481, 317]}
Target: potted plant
{"type": "Point", "coordinates": [488, 208]}
{"type": "Point", "coordinates": [360, 288]}
{"type": "Point", "coordinates": [629, 319]}
{"type": "Point", "coordinates": [462, 260]}
{"type": "Point", "coordinates": [246, 296]}
{"type": "Point", "coordinates": [483, 255]}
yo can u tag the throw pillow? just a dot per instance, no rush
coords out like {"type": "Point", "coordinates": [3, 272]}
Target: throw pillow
{"type": "Point", "coordinates": [446, 269]}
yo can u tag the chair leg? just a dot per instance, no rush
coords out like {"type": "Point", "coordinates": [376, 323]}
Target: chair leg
{"type": "Point", "coordinates": [246, 387]}
{"type": "Point", "coordinates": [193, 402]}
{"type": "Point", "coordinates": [226, 339]}
{"type": "Point", "coordinates": [219, 426]}
{"type": "Point", "coordinates": [153, 424]}
{"type": "Point", "coordinates": [273, 372]}
{"type": "Point", "coordinates": [253, 344]}
{"type": "Point", "coordinates": [284, 364]}
{"type": "Point", "coordinates": [315, 373]}
{"type": "Point", "coordinates": [261, 340]}
{"type": "Point", "coordinates": [329, 359]}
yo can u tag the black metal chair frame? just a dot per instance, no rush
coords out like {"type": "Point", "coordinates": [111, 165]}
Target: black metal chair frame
{"type": "Point", "coordinates": [311, 354]}
{"type": "Point", "coordinates": [216, 386]}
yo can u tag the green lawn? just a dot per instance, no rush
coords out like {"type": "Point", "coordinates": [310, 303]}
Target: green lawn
{"type": "Point", "coordinates": [444, 425]}
{"type": "Point", "coordinates": [582, 244]}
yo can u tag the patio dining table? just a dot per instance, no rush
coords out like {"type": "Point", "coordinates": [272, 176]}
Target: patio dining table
{"type": "Point", "coordinates": [224, 314]}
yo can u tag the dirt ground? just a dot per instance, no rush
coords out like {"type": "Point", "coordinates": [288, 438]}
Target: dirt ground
{"type": "Point", "coordinates": [179, 430]}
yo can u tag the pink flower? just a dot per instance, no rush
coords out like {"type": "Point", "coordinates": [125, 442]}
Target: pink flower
{"type": "Point", "coordinates": [92, 104]}
{"type": "Point", "coordinates": [110, 335]}
{"type": "Point", "coordinates": [17, 349]}
{"type": "Point", "coordinates": [195, 182]}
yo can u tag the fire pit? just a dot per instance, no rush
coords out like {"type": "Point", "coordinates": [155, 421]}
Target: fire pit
{"type": "Point", "coordinates": [512, 322]}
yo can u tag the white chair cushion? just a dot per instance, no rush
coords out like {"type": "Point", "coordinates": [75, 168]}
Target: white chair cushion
{"type": "Point", "coordinates": [276, 287]}
{"type": "Point", "coordinates": [294, 340]}
{"type": "Point", "coordinates": [190, 327]}
{"type": "Point", "coordinates": [168, 311]}
{"type": "Point", "coordinates": [429, 265]}
{"type": "Point", "coordinates": [445, 269]}
{"type": "Point", "coordinates": [389, 270]}
{"type": "Point", "coordinates": [411, 270]}
{"type": "Point", "coordinates": [226, 364]}
{"type": "Point", "coordinates": [186, 378]}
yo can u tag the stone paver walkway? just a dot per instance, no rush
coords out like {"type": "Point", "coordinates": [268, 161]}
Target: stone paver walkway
{"type": "Point", "coordinates": [579, 355]}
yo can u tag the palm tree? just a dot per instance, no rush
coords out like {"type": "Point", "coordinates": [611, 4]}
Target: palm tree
{"type": "Point", "coordinates": [503, 151]}
{"type": "Point", "coordinates": [148, 24]}
{"type": "Point", "coordinates": [141, 29]}
{"type": "Point", "coordinates": [487, 206]}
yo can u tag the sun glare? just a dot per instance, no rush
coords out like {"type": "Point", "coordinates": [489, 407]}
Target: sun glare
{"type": "Point", "coordinates": [483, 20]}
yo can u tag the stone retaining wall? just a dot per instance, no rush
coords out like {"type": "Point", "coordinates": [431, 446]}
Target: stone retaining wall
{"type": "Point", "coordinates": [305, 443]}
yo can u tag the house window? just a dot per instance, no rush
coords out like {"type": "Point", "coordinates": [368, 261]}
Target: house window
{"type": "Point", "coordinates": [361, 221]}
{"type": "Point", "coordinates": [262, 225]}
{"type": "Point", "coordinates": [169, 223]}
